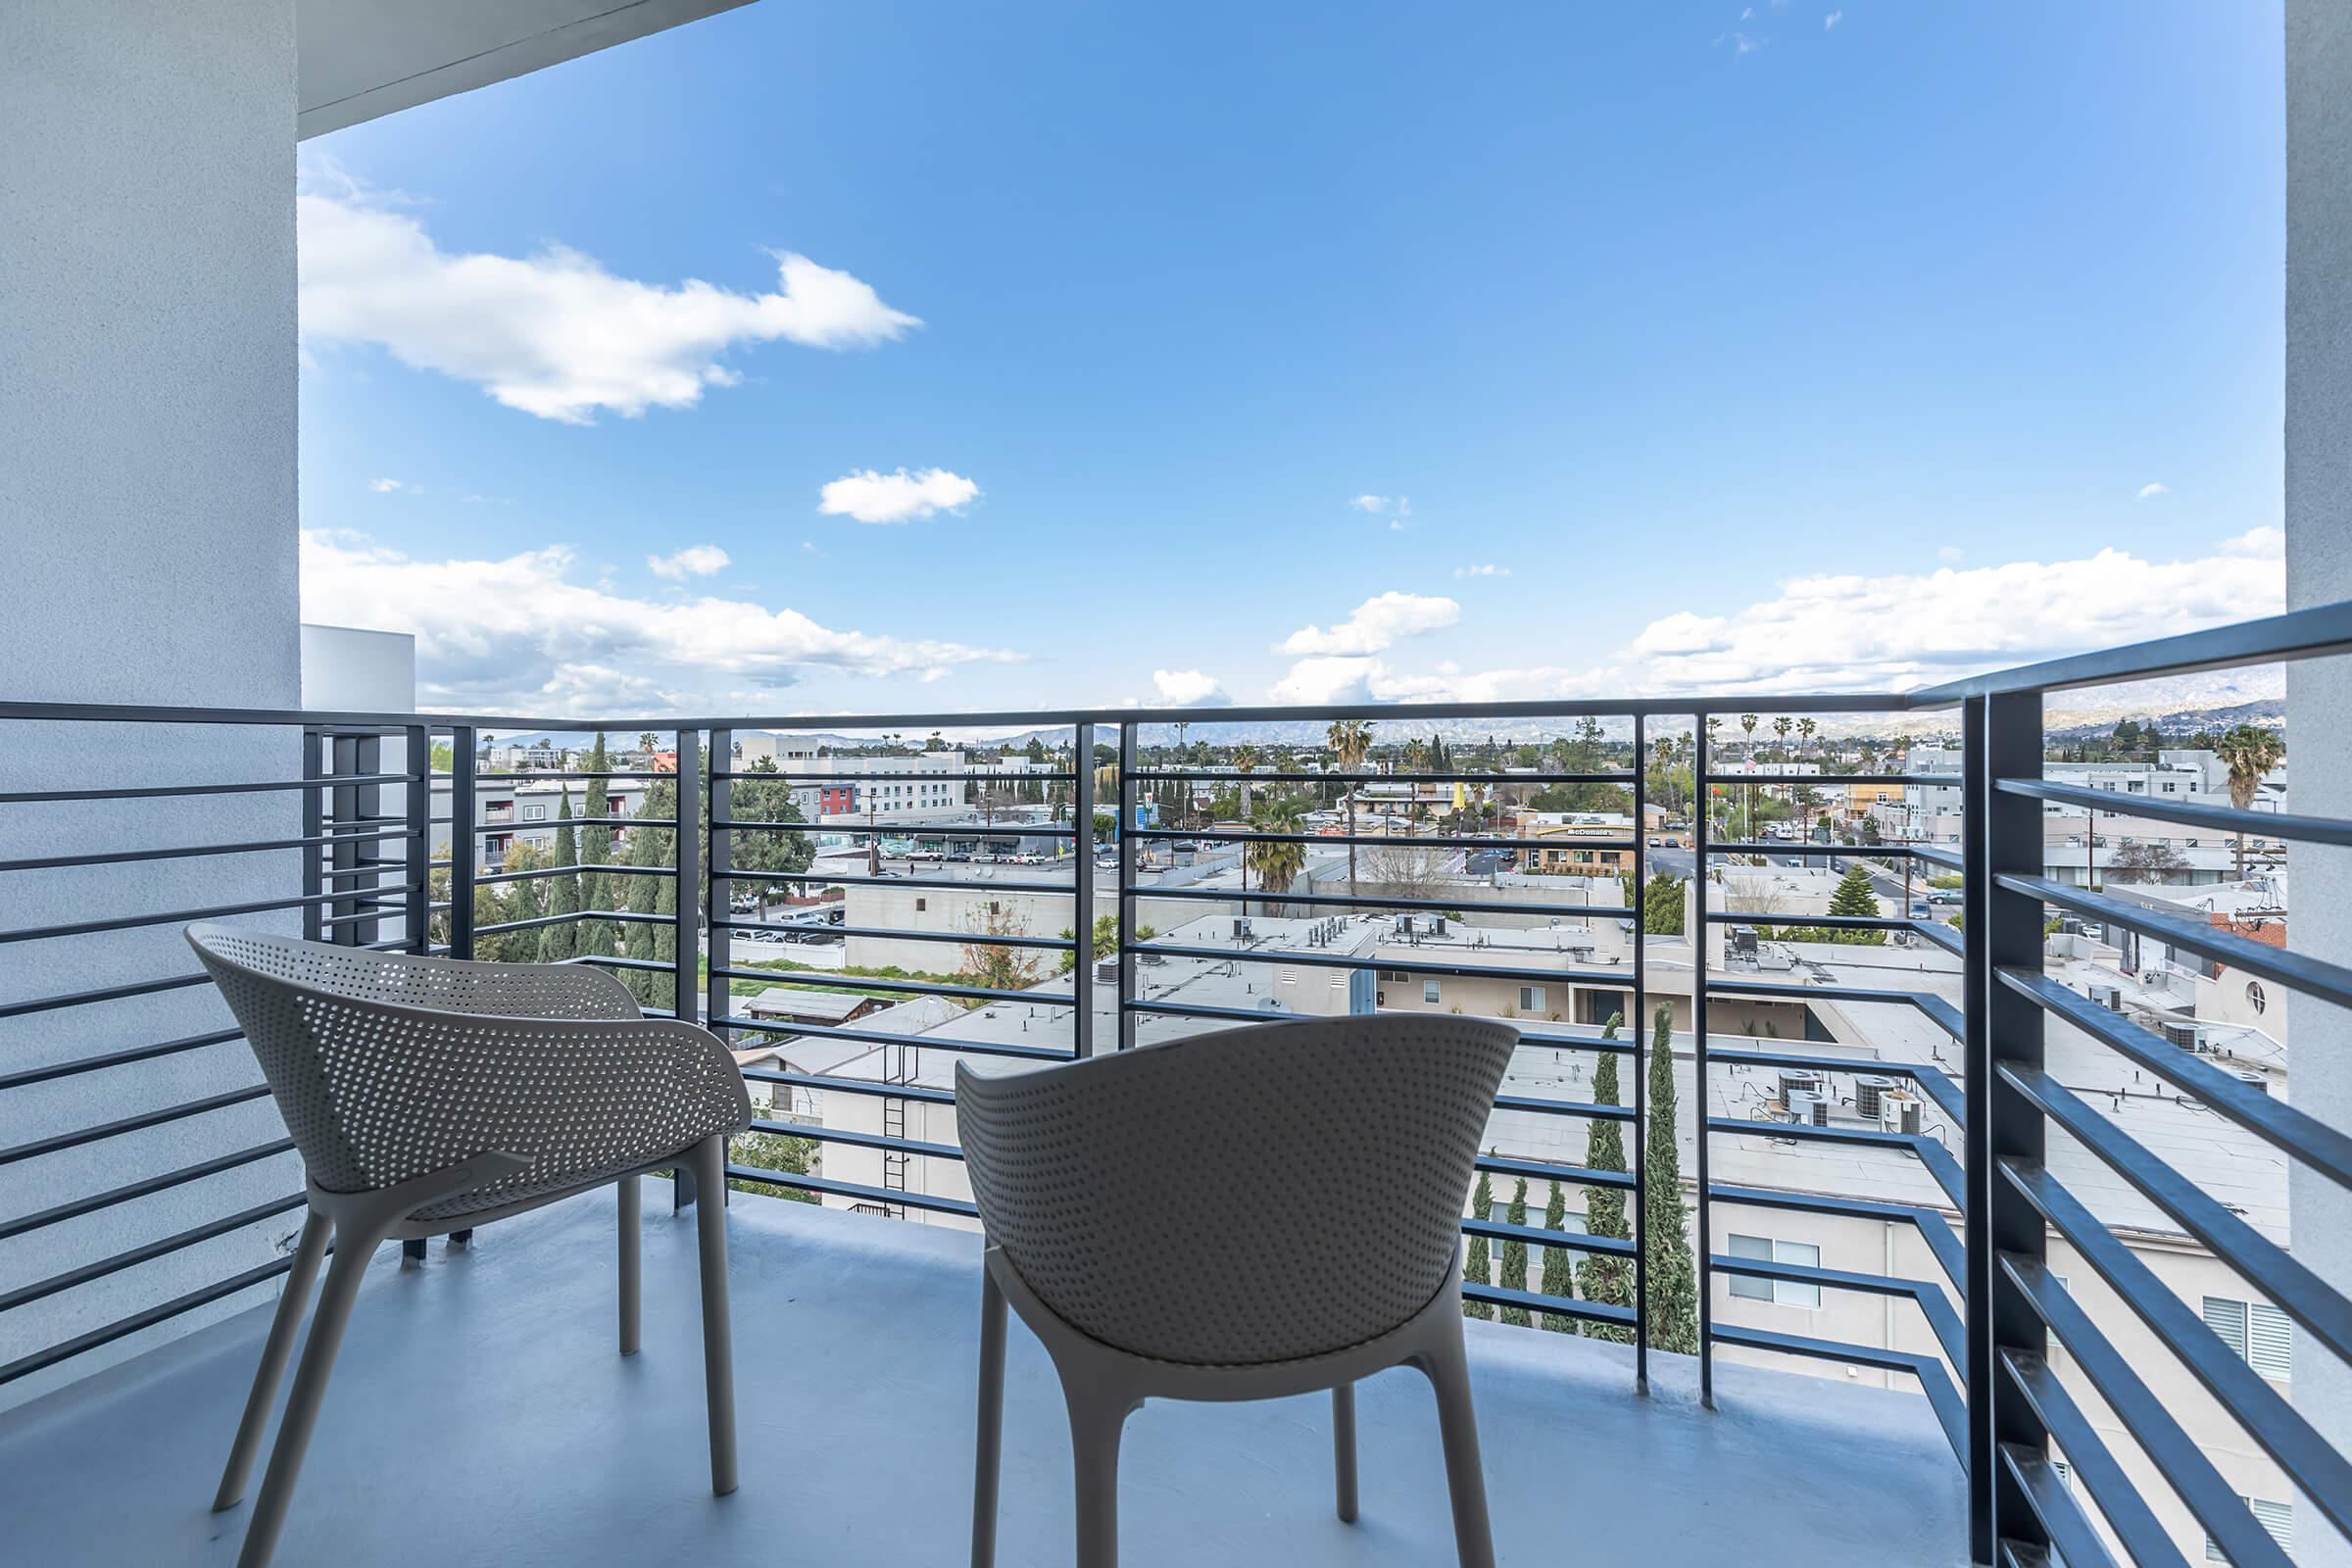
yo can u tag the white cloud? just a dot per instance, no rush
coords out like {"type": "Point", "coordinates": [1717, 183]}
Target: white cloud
{"type": "Point", "coordinates": [518, 635]}
{"type": "Point", "coordinates": [384, 487]}
{"type": "Point", "coordinates": [1481, 571]}
{"type": "Point", "coordinates": [1396, 507]}
{"type": "Point", "coordinates": [1370, 503]}
{"type": "Point", "coordinates": [1375, 624]}
{"type": "Point", "coordinates": [1951, 552]}
{"type": "Point", "coordinates": [553, 333]}
{"type": "Point", "coordinates": [899, 497]}
{"type": "Point", "coordinates": [1857, 633]}
{"type": "Point", "coordinates": [694, 560]}
{"type": "Point", "coordinates": [2152, 488]}
{"type": "Point", "coordinates": [1831, 19]}
{"type": "Point", "coordinates": [1189, 688]}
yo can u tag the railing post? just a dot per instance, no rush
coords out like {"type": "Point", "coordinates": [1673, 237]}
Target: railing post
{"type": "Point", "coordinates": [314, 825]}
{"type": "Point", "coordinates": [2003, 833]}
{"type": "Point", "coordinates": [1127, 985]}
{"type": "Point", "coordinates": [463, 844]}
{"type": "Point", "coordinates": [1638, 927]}
{"type": "Point", "coordinates": [417, 848]}
{"type": "Point", "coordinates": [1700, 812]}
{"type": "Point", "coordinates": [718, 892]}
{"type": "Point", "coordinates": [1082, 889]}
{"type": "Point", "coordinates": [686, 983]}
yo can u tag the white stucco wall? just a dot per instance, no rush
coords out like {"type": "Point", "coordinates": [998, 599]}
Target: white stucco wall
{"type": "Point", "coordinates": [147, 520]}
{"type": "Point", "coordinates": [2319, 571]}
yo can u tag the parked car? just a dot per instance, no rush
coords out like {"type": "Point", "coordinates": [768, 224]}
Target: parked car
{"type": "Point", "coordinates": [1943, 896]}
{"type": "Point", "coordinates": [1027, 858]}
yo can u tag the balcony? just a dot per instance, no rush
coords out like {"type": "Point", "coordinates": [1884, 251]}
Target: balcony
{"type": "Point", "coordinates": [1974, 1257]}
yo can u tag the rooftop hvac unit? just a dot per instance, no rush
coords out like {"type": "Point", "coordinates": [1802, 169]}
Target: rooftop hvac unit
{"type": "Point", "coordinates": [2254, 1081]}
{"type": "Point", "coordinates": [1868, 1093]}
{"type": "Point", "coordinates": [1744, 941]}
{"type": "Point", "coordinates": [1241, 928]}
{"type": "Point", "coordinates": [1107, 970]}
{"type": "Point", "coordinates": [2105, 995]}
{"type": "Point", "coordinates": [2187, 1036]}
{"type": "Point", "coordinates": [1911, 1111]}
{"type": "Point", "coordinates": [1793, 1084]}
{"type": "Point", "coordinates": [1806, 1109]}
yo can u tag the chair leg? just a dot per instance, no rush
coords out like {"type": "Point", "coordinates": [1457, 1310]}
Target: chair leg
{"type": "Point", "coordinates": [1094, 1427]}
{"type": "Point", "coordinates": [1447, 1367]}
{"type": "Point", "coordinates": [633, 1213]}
{"type": "Point", "coordinates": [988, 1447]}
{"type": "Point", "coordinates": [1343, 1447]}
{"type": "Point", "coordinates": [718, 1344]}
{"type": "Point", "coordinates": [343, 1278]}
{"type": "Point", "coordinates": [276, 1350]}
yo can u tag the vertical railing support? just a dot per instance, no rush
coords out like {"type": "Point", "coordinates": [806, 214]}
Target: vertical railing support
{"type": "Point", "coordinates": [1127, 985]}
{"type": "Point", "coordinates": [1082, 892]}
{"type": "Point", "coordinates": [417, 848]}
{"type": "Point", "coordinates": [1638, 926]}
{"type": "Point", "coordinates": [314, 818]}
{"type": "Point", "coordinates": [686, 977]}
{"type": "Point", "coordinates": [1700, 812]}
{"type": "Point", "coordinates": [718, 894]}
{"type": "Point", "coordinates": [463, 844]}
{"type": "Point", "coordinates": [2002, 739]}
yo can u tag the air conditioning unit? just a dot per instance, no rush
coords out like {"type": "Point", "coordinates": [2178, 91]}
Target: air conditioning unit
{"type": "Point", "coordinates": [1869, 1091]}
{"type": "Point", "coordinates": [2187, 1036]}
{"type": "Point", "coordinates": [1241, 928]}
{"type": "Point", "coordinates": [1793, 1084]}
{"type": "Point", "coordinates": [2105, 995]}
{"type": "Point", "coordinates": [1806, 1109]}
{"type": "Point", "coordinates": [2254, 1081]}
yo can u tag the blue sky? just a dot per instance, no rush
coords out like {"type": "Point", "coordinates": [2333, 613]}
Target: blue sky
{"type": "Point", "coordinates": [1764, 352]}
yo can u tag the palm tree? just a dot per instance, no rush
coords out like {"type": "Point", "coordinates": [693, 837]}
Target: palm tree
{"type": "Point", "coordinates": [1276, 862]}
{"type": "Point", "coordinates": [1781, 726]}
{"type": "Point", "coordinates": [1351, 739]}
{"type": "Point", "coordinates": [1663, 747]}
{"type": "Point", "coordinates": [1748, 723]}
{"type": "Point", "coordinates": [2250, 751]}
{"type": "Point", "coordinates": [1245, 763]}
{"type": "Point", "coordinates": [1805, 731]}
{"type": "Point", "coordinates": [645, 742]}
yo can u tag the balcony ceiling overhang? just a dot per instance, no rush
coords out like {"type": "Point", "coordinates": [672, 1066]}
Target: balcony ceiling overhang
{"type": "Point", "coordinates": [364, 58]}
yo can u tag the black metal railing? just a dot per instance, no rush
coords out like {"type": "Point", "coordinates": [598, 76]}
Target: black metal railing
{"type": "Point", "coordinates": [1986, 1305]}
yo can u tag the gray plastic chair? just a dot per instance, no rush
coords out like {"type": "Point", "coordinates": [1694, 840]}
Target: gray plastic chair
{"type": "Point", "coordinates": [1243, 1215]}
{"type": "Point", "coordinates": [429, 1096]}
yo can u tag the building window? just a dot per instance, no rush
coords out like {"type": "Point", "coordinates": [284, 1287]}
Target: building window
{"type": "Point", "coordinates": [534, 813]}
{"type": "Point", "coordinates": [2254, 997]}
{"type": "Point", "coordinates": [920, 905]}
{"type": "Point", "coordinates": [2279, 1518]}
{"type": "Point", "coordinates": [2255, 1330]}
{"type": "Point", "coordinates": [1765, 1250]}
{"type": "Point", "coordinates": [1429, 991]}
{"type": "Point", "coordinates": [1531, 999]}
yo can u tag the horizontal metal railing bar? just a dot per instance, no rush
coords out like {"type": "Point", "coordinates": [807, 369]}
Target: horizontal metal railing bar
{"type": "Point", "coordinates": [1309, 959]}
{"type": "Point", "coordinates": [896, 934]}
{"type": "Point", "coordinates": [1544, 1170]}
{"type": "Point", "coordinates": [1233, 776]}
{"type": "Point", "coordinates": [1828, 922]}
{"type": "Point", "coordinates": [2298, 635]}
{"type": "Point", "coordinates": [57, 1141]}
{"type": "Point", "coordinates": [556, 774]}
{"type": "Point", "coordinates": [44, 932]}
{"type": "Point", "coordinates": [859, 880]}
{"type": "Point", "coordinates": [1447, 907]}
{"type": "Point", "coordinates": [144, 1187]}
{"type": "Point", "coordinates": [1932, 1227]}
{"type": "Point", "coordinates": [1938, 854]}
{"type": "Point", "coordinates": [73, 1066]}
{"type": "Point", "coordinates": [84, 999]}
{"type": "Point", "coordinates": [801, 778]}
{"type": "Point", "coordinates": [1942, 1397]}
{"type": "Point", "coordinates": [484, 879]}
{"type": "Point", "coordinates": [1942, 1012]}
{"type": "Point", "coordinates": [2220, 818]}
{"type": "Point", "coordinates": [850, 1086]}
{"type": "Point", "coordinates": [152, 791]}
{"type": "Point", "coordinates": [1394, 841]}
{"type": "Point", "coordinates": [1893, 852]}
{"type": "Point", "coordinates": [844, 1134]}
{"type": "Point", "coordinates": [107, 1334]}
{"type": "Point", "coordinates": [1933, 1156]}
{"type": "Point", "coordinates": [2120, 1502]}
{"type": "Point", "coordinates": [883, 1037]}
{"type": "Point", "coordinates": [2300, 1134]}
{"type": "Point", "coordinates": [1533, 1302]}
{"type": "Point", "coordinates": [1933, 1081]}
{"type": "Point", "coordinates": [1933, 1304]}
{"type": "Point", "coordinates": [2296, 1291]}
{"type": "Point", "coordinates": [2072, 1541]}
{"type": "Point", "coordinates": [2310, 1461]}
{"type": "Point", "coordinates": [841, 1189]}
{"type": "Point", "coordinates": [55, 862]}
{"type": "Point", "coordinates": [1808, 780]}
{"type": "Point", "coordinates": [802, 979]}
{"type": "Point", "coordinates": [1200, 1010]}
{"type": "Point", "coordinates": [146, 1252]}
{"type": "Point", "coordinates": [1541, 1236]}
{"type": "Point", "coordinates": [1943, 936]}
{"type": "Point", "coordinates": [2144, 1417]}
{"type": "Point", "coordinates": [1595, 1110]}
{"type": "Point", "coordinates": [2330, 982]}
{"type": "Point", "coordinates": [617, 916]}
{"type": "Point", "coordinates": [912, 830]}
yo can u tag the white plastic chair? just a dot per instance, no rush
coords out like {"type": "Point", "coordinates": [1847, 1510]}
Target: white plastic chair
{"type": "Point", "coordinates": [429, 1096]}
{"type": "Point", "coordinates": [1243, 1215]}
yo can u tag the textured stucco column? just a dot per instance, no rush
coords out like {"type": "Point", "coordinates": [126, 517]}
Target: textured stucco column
{"type": "Point", "coordinates": [147, 531]}
{"type": "Point", "coordinates": [2319, 571]}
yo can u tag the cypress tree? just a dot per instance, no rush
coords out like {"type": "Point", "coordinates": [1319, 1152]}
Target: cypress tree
{"type": "Point", "coordinates": [1559, 1265]}
{"type": "Point", "coordinates": [596, 937]}
{"type": "Point", "coordinates": [1602, 1278]}
{"type": "Point", "coordinates": [560, 941]}
{"type": "Point", "coordinates": [1666, 1218]}
{"type": "Point", "coordinates": [649, 846]}
{"type": "Point", "coordinates": [1514, 1258]}
{"type": "Point", "coordinates": [1475, 1271]}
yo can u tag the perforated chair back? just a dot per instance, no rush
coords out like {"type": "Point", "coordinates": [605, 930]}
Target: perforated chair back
{"type": "Point", "coordinates": [387, 1066]}
{"type": "Point", "coordinates": [1257, 1195]}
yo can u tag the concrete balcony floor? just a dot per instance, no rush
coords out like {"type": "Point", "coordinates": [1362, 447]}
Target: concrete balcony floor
{"type": "Point", "coordinates": [480, 1415]}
